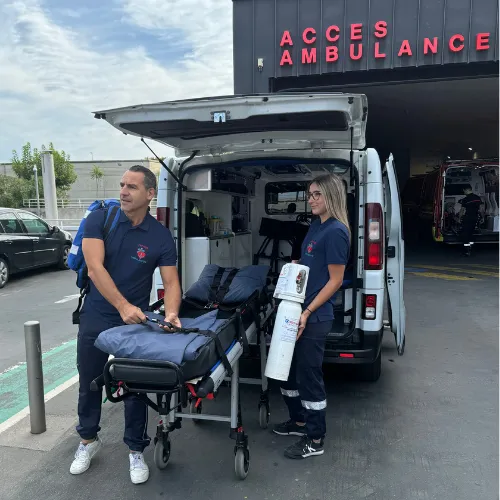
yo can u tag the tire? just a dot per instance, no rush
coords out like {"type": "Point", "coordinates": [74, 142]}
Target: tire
{"type": "Point", "coordinates": [63, 262]}
{"type": "Point", "coordinates": [241, 463]}
{"type": "Point", "coordinates": [162, 453]}
{"type": "Point", "coordinates": [263, 417]}
{"type": "Point", "coordinates": [193, 410]}
{"type": "Point", "coordinates": [4, 272]}
{"type": "Point", "coordinates": [371, 372]}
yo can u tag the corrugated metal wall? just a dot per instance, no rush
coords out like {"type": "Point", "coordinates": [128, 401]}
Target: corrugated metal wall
{"type": "Point", "coordinates": [259, 26]}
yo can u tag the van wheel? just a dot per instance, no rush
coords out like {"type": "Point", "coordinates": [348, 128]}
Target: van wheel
{"type": "Point", "coordinates": [371, 372]}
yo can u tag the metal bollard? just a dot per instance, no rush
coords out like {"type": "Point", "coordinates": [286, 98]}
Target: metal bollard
{"type": "Point", "coordinates": [35, 376]}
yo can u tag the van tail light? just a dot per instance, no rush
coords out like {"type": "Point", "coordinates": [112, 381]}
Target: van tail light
{"type": "Point", "coordinates": [161, 293]}
{"type": "Point", "coordinates": [374, 237]}
{"type": "Point", "coordinates": [369, 306]}
{"type": "Point", "coordinates": [163, 216]}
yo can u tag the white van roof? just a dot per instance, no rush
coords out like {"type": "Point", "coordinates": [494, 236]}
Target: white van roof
{"type": "Point", "coordinates": [248, 123]}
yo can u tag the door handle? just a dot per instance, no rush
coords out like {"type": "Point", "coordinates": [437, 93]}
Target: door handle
{"type": "Point", "coordinates": [9, 242]}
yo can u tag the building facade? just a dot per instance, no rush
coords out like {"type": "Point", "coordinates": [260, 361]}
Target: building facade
{"type": "Point", "coordinates": [428, 67]}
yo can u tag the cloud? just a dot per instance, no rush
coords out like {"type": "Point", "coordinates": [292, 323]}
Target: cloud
{"type": "Point", "coordinates": [53, 75]}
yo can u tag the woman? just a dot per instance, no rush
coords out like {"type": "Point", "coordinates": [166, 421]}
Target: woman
{"type": "Point", "coordinates": [325, 251]}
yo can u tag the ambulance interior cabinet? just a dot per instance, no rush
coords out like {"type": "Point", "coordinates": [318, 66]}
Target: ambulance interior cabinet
{"type": "Point", "coordinates": [243, 249]}
{"type": "Point", "coordinates": [203, 251]}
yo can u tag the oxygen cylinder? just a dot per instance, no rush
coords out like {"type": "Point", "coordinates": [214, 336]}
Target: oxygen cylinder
{"type": "Point", "coordinates": [291, 289]}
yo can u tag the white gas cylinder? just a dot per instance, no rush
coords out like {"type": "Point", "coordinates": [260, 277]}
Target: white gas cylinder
{"type": "Point", "coordinates": [291, 288]}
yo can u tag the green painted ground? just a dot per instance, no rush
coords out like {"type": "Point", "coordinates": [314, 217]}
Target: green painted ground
{"type": "Point", "coordinates": [59, 365]}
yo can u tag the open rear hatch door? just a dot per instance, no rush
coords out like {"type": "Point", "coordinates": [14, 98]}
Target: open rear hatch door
{"type": "Point", "coordinates": [248, 123]}
{"type": "Point", "coordinates": [395, 266]}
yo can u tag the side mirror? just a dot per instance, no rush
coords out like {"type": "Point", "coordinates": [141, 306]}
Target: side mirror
{"type": "Point", "coordinates": [55, 230]}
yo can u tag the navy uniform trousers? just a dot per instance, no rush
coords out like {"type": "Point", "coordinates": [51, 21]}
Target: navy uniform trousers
{"type": "Point", "coordinates": [90, 363]}
{"type": "Point", "coordinates": [304, 391]}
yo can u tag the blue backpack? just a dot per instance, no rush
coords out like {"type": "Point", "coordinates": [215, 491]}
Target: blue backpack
{"type": "Point", "coordinates": [76, 260]}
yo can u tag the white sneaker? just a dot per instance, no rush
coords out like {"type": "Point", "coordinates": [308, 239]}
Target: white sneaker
{"type": "Point", "coordinates": [83, 456]}
{"type": "Point", "coordinates": [139, 470]}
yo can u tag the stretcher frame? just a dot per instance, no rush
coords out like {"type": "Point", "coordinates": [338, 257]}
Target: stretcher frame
{"type": "Point", "coordinates": [183, 393]}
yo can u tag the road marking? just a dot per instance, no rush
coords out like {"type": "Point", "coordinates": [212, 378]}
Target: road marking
{"type": "Point", "coordinates": [484, 266]}
{"type": "Point", "coordinates": [26, 410]}
{"type": "Point", "coordinates": [450, 277]}
{"type": "Point", "coordinates": [465, 270]}
{"type": "Point", "coordinates": [67, 298]}
{"type": "Point", "coordinates": [59, 366]}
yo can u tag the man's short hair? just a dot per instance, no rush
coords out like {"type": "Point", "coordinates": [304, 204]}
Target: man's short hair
{"type": "Point", "coordinates": [149, 176]}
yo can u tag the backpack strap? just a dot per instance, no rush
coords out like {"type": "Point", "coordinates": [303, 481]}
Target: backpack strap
{"type": "Point", "coordinates": [110, 217]}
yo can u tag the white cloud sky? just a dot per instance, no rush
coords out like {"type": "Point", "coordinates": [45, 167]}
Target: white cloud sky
{"type": "Point", "coordinates": [56, 69]}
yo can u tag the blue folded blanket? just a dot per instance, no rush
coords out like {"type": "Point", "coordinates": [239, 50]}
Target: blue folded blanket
{"type": "Point", "coordinates": [148, 341]}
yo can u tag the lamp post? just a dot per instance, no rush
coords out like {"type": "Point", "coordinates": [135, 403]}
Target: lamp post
{"type": "Point", "coordinates": [35, 171]}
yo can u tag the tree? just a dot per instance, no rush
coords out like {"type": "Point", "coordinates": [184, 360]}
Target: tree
{"type": "Point", "coordinates": [97, 174]}
{"type": "Point", "coordinates": [63, 168]}
{"type": "Point", "coordinates": [13, 191]}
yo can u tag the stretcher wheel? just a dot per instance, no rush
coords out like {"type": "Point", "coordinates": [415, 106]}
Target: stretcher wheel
{"type": "Point", "coordinates": [264, 417]}
{"type": "Point", "coordinates": [242, 463]}
{"type": "Point", "coordinates": [162, 452]}
{"type": "Point", "coordinates": [193, 410]}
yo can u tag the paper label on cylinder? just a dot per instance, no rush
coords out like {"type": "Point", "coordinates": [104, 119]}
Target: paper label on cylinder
{"type": "Point", "coordinates": [289, 330]}
{"type": "Point", "coordinates": [282, 280]}
{"type": "Point", "coordinates": [281, 285]}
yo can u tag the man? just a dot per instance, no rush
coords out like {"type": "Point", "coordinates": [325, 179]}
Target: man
{"type": "Point", "coordinates": [121, 275]}
{"type": "Point", "coordinates": [469, 214]}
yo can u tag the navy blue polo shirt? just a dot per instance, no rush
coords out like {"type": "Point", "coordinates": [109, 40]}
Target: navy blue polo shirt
{"type": "Point", "coordinates": [325, 244]}
{"type": "Point", "coordinates": [132, 255]}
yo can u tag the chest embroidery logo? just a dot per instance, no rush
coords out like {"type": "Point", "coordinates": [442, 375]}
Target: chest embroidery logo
{"type": "Point", "coordinates": [141, 253]}
{"type": "Point", "coordinates": [310, 248]}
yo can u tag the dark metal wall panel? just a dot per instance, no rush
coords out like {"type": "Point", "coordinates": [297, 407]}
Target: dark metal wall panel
{"type": "Point", "coordinates": [380, 10]}
{"type": "Point", "coordinates": [333, 15]}
{"type": "Point", "coordinates": [309, 16]}
{"type": "Point", "coordinates": [263, 16]}
{"type": "Point", "coordinates": [457, 21]}
{"type": "Point", "coordinates": [243, 39]}
{"type": "Point", "coordinates": [421, 27]}
{"type": "Point", "coordinates": [286, 20]}
{"type": "Point", "coordinates": [357, 13]}
{"type": "Point", "coordinates": [431, 22]}
{"type": "Point", "coordinates": [405, 33]}
{"type": "Point", "coordinates": [484, 19]}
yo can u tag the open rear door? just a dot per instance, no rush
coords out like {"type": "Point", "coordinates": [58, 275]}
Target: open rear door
{"type": "Point", "coordinates": [395, 265]}
{"type": "Point", "coordinates": [220, 125]}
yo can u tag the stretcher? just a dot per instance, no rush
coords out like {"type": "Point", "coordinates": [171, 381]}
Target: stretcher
{"type": "Point", "coordinates": [180, 388]}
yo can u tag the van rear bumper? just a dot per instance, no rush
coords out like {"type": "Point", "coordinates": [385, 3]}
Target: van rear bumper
{"type": "Point", "coordinates": [365, 351]}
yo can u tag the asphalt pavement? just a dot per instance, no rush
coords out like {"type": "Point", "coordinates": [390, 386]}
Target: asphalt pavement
{"type": "Point", "coordinates": [428, 429]}
{"type": "Point", "coordinates": [45, 295]}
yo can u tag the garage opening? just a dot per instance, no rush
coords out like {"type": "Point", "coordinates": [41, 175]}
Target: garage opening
{"type": "Point", "coordinates": [427, 124]}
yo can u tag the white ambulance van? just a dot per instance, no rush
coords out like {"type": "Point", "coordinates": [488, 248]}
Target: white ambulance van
{"type": "Point", "coordinates": [234, 195]}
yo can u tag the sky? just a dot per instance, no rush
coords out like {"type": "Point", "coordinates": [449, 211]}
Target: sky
{"type": "Point", "coordinates": [62, 59]}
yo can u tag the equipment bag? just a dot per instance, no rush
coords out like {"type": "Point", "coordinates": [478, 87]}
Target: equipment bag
{"type": "Point", "coordinates": [76, 260]}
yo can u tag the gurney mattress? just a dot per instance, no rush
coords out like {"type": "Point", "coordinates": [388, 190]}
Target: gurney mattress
{"type": "Point", "coordinates": [199, 365]}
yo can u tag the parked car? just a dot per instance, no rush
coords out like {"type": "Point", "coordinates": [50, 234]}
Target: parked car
{"type": "Point", "coordinates": [29, 242]}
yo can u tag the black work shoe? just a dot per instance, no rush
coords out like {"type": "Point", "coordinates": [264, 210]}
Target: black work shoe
{"type": "Point", "coordinates": [305, 448]}
{"type": "Point", "coordinates": [290, 428]}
